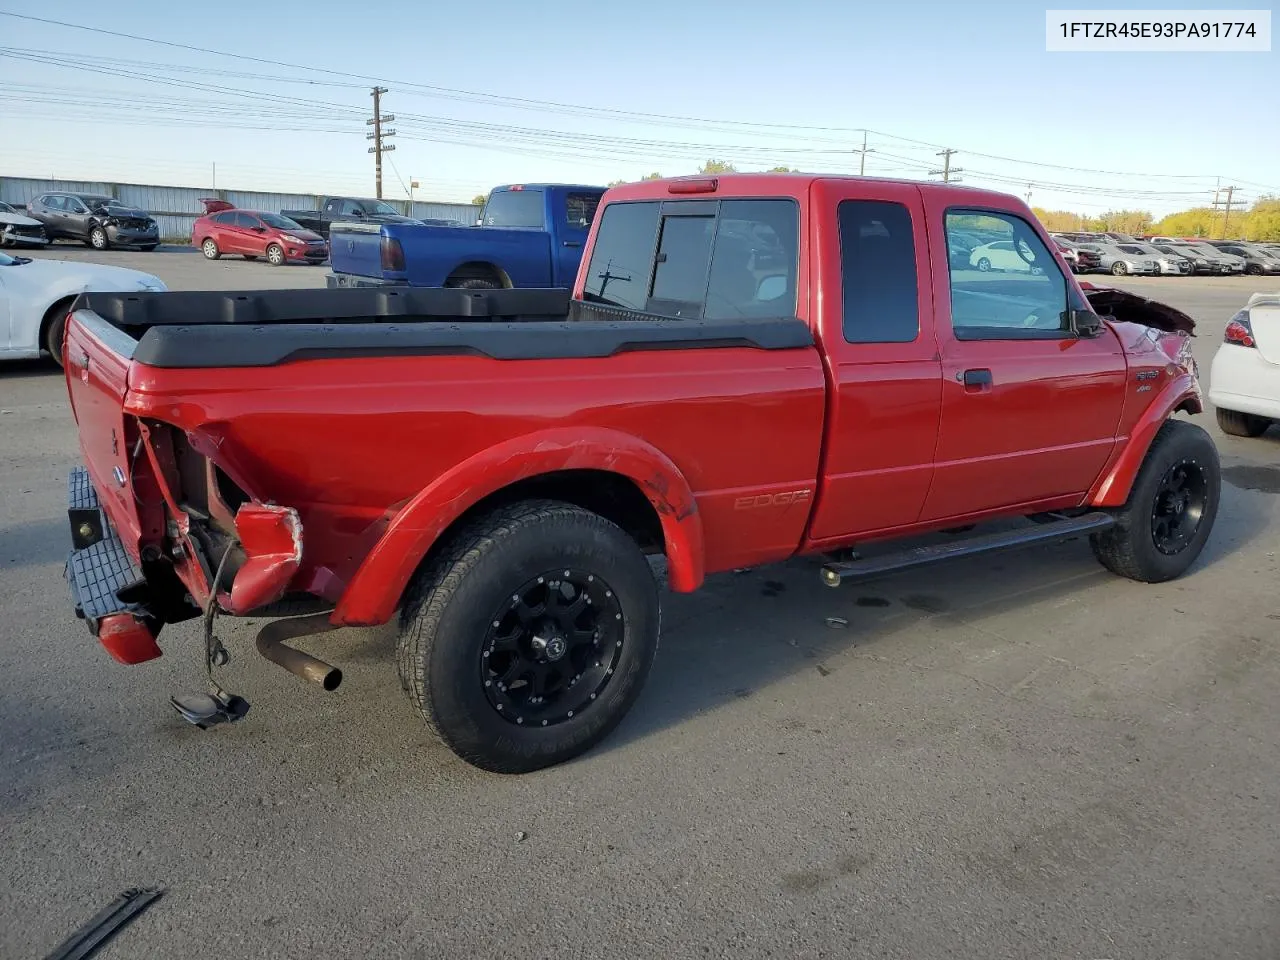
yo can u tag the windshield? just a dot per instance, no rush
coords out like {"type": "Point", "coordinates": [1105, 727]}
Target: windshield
{"type": "Point", "coordinates": [1130, 248]}
{"type": "Point", "coordinates": [5, 208]}
{"type": "Point", "coordinates": [8, 261]}
{"type": "Point", "coordinates": [279, 222]}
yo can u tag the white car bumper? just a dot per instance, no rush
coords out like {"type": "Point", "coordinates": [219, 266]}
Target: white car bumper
{"type": "Point", "coordinates": [1240, 379]}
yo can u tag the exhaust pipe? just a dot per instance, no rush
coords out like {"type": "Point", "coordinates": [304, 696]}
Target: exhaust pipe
{"type": "Point", "coordinates": [271, 644]}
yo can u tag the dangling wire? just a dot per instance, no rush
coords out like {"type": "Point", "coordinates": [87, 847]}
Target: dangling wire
{"type": "Point", "coordinates": [215, 654]}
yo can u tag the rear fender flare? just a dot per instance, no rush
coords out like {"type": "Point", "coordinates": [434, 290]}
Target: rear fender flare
{"type": "Point", "coordinates": [374, 592]}
{"type": "Point", "coordinates": [1112, 487]}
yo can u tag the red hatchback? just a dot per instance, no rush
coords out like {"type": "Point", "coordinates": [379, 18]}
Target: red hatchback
{"type": "Point", "coordinates": [253, 234]}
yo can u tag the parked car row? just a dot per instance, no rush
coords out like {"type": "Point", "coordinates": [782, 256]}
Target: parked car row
{"type": "Point", "coordinates": [1121, 254]}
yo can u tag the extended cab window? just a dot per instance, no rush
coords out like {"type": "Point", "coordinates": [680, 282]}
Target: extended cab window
{"type": "Point", "coordinates": [878, 272]}
{"type": "Point", "coordinates": [580, 208]}
{"type": "Point", "coordinates": [514, 208]}
{"type": "Point", "coordinates": [713, 259]}
{"type": "Point", "coordinates": [1009, 287]}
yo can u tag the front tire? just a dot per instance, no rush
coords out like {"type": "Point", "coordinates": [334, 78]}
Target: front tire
{"type": "Point", "coordinates": [98, 238]}
{"type": "Point", "coordinates": [984, 264]}
{"type": "Point", "coordinates": [1163, 526]}
{"type": "Point", "coordinates": [55, 331]}
{"type": "Point", "coordinates": [275, 255]}
{"type": "Point", "coordinates": [1236, 424]}
{"type": "Point", "coordinates": [526, 642]}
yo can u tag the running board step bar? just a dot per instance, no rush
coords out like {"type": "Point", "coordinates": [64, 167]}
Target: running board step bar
{"type": "Point", "coordinates": [833, 574]}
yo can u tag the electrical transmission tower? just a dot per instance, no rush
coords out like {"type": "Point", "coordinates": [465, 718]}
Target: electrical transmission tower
{"type": "Point", "coordinates": [948, 172]}
{"type": "Point", "coordinates": [378, 135]}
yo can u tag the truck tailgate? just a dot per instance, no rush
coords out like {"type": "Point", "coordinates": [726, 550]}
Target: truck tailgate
{"type": "Point", "coordinates": [97, 371]}
{"type": "Point", "coordinates": [356, 249]}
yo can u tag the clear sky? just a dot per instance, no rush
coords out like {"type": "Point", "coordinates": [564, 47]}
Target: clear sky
{"type": "Point", "coordinates": [660, 86]}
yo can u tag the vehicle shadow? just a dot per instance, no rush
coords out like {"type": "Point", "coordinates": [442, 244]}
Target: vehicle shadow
{"type": "Point", "coordinates": [744, 632]}
{"type": "Point", "coordinates": [34, 367]}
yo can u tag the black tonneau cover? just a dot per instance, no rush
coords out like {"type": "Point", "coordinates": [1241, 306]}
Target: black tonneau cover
{"type": "Point", "coordinates": [264, 328]}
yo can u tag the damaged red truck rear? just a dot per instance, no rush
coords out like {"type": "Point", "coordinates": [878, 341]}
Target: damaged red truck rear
{"type": "Point", "coordinates": [750, 368]}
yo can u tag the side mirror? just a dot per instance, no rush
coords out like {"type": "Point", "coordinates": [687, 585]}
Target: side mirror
{"type": "Point", "coordinates": [1084, 323]}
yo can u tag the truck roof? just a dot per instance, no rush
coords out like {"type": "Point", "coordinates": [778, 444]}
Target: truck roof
{"type": "Point", "coordinates": [788, 184]}
{"type": "Point", "coordinates": [546, 186]}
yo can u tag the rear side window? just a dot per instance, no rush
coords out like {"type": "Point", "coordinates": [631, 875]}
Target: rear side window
{"type": "Point", "coordinates": [580, 209]}
{"type": "Point", "coordinates": [514, 208]}
{"type": "Point", "coordinates": [622, 256]}
{"type": "Point", "coordinates": [878, 272]}
{"type": "Point", "coordinates": [702, 258]}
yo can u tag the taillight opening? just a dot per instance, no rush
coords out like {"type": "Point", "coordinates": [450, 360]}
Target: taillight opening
{"type": "Point", "coordinates": [392, 254]}
{"type": "Point", "coordinates": [1239, 331]}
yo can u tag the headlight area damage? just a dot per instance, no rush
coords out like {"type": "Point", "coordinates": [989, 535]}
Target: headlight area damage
{"type": "Point", "coordinates": [196, 545]}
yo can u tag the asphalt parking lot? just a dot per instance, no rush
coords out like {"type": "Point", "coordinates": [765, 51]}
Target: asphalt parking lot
{"type": "Point", "coordinates": [1018, 757]}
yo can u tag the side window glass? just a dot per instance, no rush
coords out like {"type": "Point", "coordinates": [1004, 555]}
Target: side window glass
{"type": "Point", "coordinates": [1009, 286]}
{"type": "Point", "coordinates": [622, 255]}
{"type": "Point", "coordinates": [74, 205]}
{"type": "Point", "coordinates": [580, 209]}
{"type": "Point", "coordinates": [754, 261]}
{"type": "Point", "coordinates": [879, 273]}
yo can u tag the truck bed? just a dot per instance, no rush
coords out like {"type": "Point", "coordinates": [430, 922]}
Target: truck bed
{"type": "Point", "coordinates": [254, 329]}
{"type": "Point", "coordinates": [348, 406]}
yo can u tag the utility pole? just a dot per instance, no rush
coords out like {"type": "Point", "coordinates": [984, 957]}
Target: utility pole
{"type": "Point", "coordinates": [377, 136]}
{"type": "Point", "coordinates": [947, 173]}
{"type": "Point", "coordinates": [1226, 205]}
{"type": "Point", "coordinates": [215, 176]}
{"type": "Point", "coordinates": [1028, 194]}
{"type": "Point", "coordinates": [862, 160]}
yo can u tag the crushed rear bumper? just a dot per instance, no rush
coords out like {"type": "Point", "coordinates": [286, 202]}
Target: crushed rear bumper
{"type": "Point", "coordinates": [98, 570]}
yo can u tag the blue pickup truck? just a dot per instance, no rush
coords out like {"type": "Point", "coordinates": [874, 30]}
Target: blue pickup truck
{"type": "Point", "coordinates": [529, 235]}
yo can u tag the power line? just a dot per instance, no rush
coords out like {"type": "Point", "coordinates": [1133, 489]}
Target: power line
{"type": "Point", "coordinates": [640, 116]}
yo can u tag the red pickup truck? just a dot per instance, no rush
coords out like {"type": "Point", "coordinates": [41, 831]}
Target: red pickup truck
{"type": "Point", "coordinates": [750, 367]}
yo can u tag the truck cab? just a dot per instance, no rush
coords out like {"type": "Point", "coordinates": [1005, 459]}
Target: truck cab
{"type": "Point", "coordinates": [527, 235]}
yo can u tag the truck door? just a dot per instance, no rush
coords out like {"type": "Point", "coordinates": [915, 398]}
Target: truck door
{"type": "Point", "coordinates": [1029, 409]}
{"type": "Point", "coordinates": [569, 216]}
{"type": "Point", "coordinates": [883, 372]}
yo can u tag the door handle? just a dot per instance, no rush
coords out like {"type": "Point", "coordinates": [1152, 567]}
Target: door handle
{"type": "Point", "coordinates": [571, 243]}
{"type": "Point", "coordinates": [975, 380]}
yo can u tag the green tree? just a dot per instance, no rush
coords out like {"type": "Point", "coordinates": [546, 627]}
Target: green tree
{"type": "Point", "coordinates": [479, 199]}
{"type": "Point", "coordinates": [1059, 221]}
{"type": "Point", "coordinates": [1133, 222]}
{"type": "Point", "coordinates": [1262, 222]}
{"type": "Point", "coordinates": [782, 170]}
{"type": "Point", "coordinates": [615, 183]}
{"type": "Point", "coordinates": [718, 166]}
{"type": "Point", "coordinates": [652, 176]}
{"type": "Point", "coordinates": [1196, 222]}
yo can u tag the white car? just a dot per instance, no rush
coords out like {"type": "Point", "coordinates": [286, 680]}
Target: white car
{"type": "Point", "coordinates": [35, 295]}
{"type": "Point", "coordinates": [17, 229]}
{"type": "Point", "coordinates": [999, 255]}
{"type": "Point", "coordinates": [1244, 380]}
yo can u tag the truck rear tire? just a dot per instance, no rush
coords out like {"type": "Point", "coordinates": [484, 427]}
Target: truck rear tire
{"type": "Point", "coordinates": [530, 637]}
{"type": "Point", "coordinates": [1236, 424]}
{"type": "Point", "coordinates": [1170, 511]}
